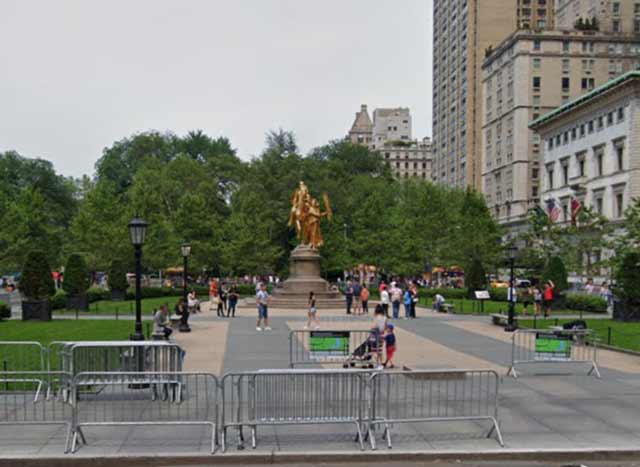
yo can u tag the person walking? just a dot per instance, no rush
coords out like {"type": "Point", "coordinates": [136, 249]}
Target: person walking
{"type": "Point", "coordinates": [357, 288]}
{"type": "Point", "coordinates": [389, 345]}
{"type": "Point", "coordinates": [233, 302]}
{"type": "Point", "coordinates": [537, 300]}
{"type": "Point", "coordinates": [607, 295]}
{"type": "Point", "coordinates": [396, 298]}
{"type": "Point", "coordinates": [262, 298]}
{"type": "Point", "coordinates": [384, 301]}
{"type": "Point", "coordinates": [312, 313]}
{"type": "Point", "coordinates": [220, 302]}
{"type": "Point", "coordinates": [548, 296]}
{"type": "Point", "coordinates": [408, 300]}
{"type": "Point", "coordinates": [348, 295]}
{"type": "Point", "coordinates": [213, 293]}
{"type": "Point", "coordinates": [364, 298]}
{"type": "Point", "coordinates": [414, 299]}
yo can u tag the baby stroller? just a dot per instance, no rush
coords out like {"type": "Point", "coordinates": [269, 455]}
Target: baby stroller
{"type": "Point", "coordinates": [364, 355]}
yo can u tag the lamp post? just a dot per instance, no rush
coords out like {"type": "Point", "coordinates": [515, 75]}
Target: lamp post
{"type": "Point", "coordinates": [184, 325]}
{"type": "Point", "coordinates": [511, 325]}
{"type": "Point", "coordinates": [137, 233]}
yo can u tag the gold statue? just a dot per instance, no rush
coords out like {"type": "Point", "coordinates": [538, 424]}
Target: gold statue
{"type": "Point", "coordinates": [305, 215]}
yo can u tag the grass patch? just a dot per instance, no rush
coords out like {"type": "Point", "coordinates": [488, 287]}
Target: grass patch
{"type": "Point", "coordinates": [609, 332]}
{"type": "Point", "coordinates": [126, 307]}
{"type": "Point", "coordinates": [465, 306]}
{"type": "Point", "coordinates": [66, 330]}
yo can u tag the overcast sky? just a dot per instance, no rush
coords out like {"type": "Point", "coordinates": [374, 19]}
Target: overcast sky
{"type": "Point", "coordinates": [76, 75]}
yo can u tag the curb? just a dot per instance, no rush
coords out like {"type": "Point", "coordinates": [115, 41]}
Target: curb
{"type": "Point", "coordinates": [279, 458]}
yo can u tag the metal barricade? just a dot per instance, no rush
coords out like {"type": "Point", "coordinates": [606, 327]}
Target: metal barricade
{"type": "Point", "coordinates": [432, 396]}
{"type": "Point", "coordinates": [23, 362]}
{"type": "Point", "coordinates": [19, 403]}
{"type": "Point", "coordinates": [349, 348]}
{"type": "Point", "coordinates": [129, 398]}
{"type": "Point", "coordinates": [292, 397]}
{"type": "Point", "coordinates": [553, 346]}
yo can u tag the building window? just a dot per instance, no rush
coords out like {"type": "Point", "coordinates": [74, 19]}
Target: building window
{"type": "Point", "coordinates": [590, 125]}
{"type": "Point", "coordinates": [621, 114]}
{"type": "Point", "coordinates": [619, 156]}
{"type": "Point", "coordinates": [582, 130]}
{"type": "Point", "coordinates": [615, 8]}
{"type": "Point", "coordinates": [536, 45]}
{"type": "Point", "coordinates": [550, 177]}
{"type": "Point", "coordinates": [599, 162]}
{"type": "Point", "coordinates": [600, 123]}
{"type": "Point", "coordinates": [536, 63]}
{"type": "Point", "coordinates": [565, 84]}
{"type": "Point", "coordinates": [610, 119]}
{"type": "Point", "coordinates": [565, 65]}
{"type": "Point", "coordinates": [615, 25]}
{"type": "Point", "coordinates": [565, 48]}
{"type": "Point", "coordinates": [636, 25]}
{"type": "Point", "coordinates": [581, 165]}
{"type": "Point", "coordinates": [565, 173]}
{"type": "Point", "coordinates": [618, 209]}
{"type": "Point", "coordinates": [588, 83]}
{"type": "Point", "coordinates": [598, 204]}
{"type": "Point", "coordinates": [537, 81]}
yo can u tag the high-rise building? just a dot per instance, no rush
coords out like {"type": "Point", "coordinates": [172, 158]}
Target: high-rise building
{"type": "Point", "coordinates": [529, 74]}
{"type": "Point", "coordinates": [616, 17]}
{"type": "Point", "coordinates": [536, 14]}
{"type": "Point", "coordinates": [390, 135]}
{"type": "Point", "coordinates": [463, 31]}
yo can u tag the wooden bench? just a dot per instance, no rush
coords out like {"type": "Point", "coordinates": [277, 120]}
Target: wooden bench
{"type": "Point", "coordinates": [501, 320]}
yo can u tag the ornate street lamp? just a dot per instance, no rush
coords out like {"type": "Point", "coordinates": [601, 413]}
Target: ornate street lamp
{"type": "Point", "coordinates": [511, 325]}
{"type": "Point", "coordinates": [137, 233]}
{"type": "Point", "coordinates": [184, 325]}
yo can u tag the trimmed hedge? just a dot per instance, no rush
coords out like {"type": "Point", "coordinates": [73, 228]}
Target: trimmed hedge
{"type": "Point", "coordinates": [5, 311]}
{"type": "Point", "coordinates": [588, 303]}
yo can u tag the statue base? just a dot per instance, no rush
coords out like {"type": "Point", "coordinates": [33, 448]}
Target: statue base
{"type": "Point", "coordinates": [304, 277]}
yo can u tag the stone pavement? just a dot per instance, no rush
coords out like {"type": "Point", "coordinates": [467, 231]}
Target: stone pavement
{"type": "Point", "coordinates": [539, 413]}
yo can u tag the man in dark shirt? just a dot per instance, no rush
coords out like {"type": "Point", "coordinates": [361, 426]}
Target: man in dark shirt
{"type": "Point", "coordinates": [348, 295]}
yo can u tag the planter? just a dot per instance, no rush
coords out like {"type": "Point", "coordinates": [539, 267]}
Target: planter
{"type": "Point", "coordinates": [78, 302]}
{"type": "Point", "coordinates": [118, 295]}
{"type": "Point", "coordinates": [36, 309]}
{"type": "Point", "coordinates": [5, 310]}
{"type": "Point", "coordinates": [626, 311]}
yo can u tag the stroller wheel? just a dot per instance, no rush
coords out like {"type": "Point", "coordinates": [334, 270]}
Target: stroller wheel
{"type": "Point", "coordinates": [352, 364]}
{"type": "Point", "coordinates": [345, 365]}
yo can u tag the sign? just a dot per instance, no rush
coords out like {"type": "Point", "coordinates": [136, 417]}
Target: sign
{"type": "Point", "coordinates": [553, 347]}
{"type": "Point", "coordinates": [482, 295]}
{"type": "Point", "coordinates": [328, 345]}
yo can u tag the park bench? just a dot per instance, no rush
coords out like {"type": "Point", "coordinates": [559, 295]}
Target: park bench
{"type": "Point", "coordinates": [500, 319]}
{"type": "Point", "coordinates": [447, 308]}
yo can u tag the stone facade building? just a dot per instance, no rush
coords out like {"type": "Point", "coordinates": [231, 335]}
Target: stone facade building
{"type": "Point", "coordinates": [390, 135]}
{"type": "Point", "coordinates": [462, 31]}
{"type": "Point", "coordinates": [531, 73]}
{"type": "Point", "coordinates": [612, 16]}
{"type": "Point", "coordinates": [592, 149]}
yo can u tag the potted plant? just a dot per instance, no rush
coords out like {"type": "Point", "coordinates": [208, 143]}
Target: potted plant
{"type": "Point", "coordinates": [627, 275]}
{"type": "Point", "coordinates": [76, 283]}
{"type": "Point", "coordinates": [556, 272]}
{"type": "Point", "coordinates": [5, 311]}
{"type": "Point", "coordinates": [118, 280]}
{"type": "Point", "coordinates": [36, 286]}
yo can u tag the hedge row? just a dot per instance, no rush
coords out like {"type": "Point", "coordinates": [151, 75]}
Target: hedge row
{"type": "Point", "coordinates": [588, 303]}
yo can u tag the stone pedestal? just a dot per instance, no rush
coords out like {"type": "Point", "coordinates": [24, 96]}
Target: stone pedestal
{"type": "Point", "coordinates": [304, 277]}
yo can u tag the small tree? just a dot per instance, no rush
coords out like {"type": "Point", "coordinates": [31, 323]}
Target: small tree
{"type": "Point", "coordinates": [118, 276]}
{"type": "Point", "coordinates": [475, 276]}
{"type": "Point", "coordinates": [76, 276]}
{"type": "Point", "coordinates": [557, 273]}
{"type": "Point", "coordinates": [36, 282]}
{"type": "Point", "coordinates": [628, 278]}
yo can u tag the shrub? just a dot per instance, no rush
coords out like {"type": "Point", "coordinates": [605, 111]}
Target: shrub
{"type": "Point", "coordinates": [557, 273]}
{"type": "Point", "coordinates": [446, 293]}
{"type": "Point", "coordinates": [627, 276]}
{"type": "Point", "coordinates": [499, 294]}
{"type": "Point", "coordinates": [36, 282]}
{"type": "Point", "coordinates": [95, 294]}
{"type": "Point", "coordinates": [59, 300]}
{"type": "Point", "coordinates": [588, 303]}
{"type": "Point", "coordinates": [5, 311]}
{"type": "Point", "coordinates": [118, 275]}
{"type": "Point", "coordinates": [76, 276]}
{"type": "Point", "coordinates": [475, 277]}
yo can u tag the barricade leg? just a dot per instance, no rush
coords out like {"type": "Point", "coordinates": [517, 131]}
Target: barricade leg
{"type": "Point", "coordinates": [594, 369]}
{"type": "Point", "coordinates": [496, 428]}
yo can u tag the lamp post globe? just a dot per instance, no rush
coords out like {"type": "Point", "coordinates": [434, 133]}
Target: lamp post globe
{"type": "Point", "coordinates": [185, 249]}
{"type": "Point", "coordinates": [137, 234]}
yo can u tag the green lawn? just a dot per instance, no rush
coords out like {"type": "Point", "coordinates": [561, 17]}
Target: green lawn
{"type": "Point", "coordinates": [464, 306]}
{"type": "Point", "coordinates": [69, 330]}
{"type": "Point", "coordinates": [609, 332]}
{"type": "Point", "coordinates": [127, 307]}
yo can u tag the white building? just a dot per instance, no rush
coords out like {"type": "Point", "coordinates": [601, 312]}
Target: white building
{"type": "Point", "coordinates": [591, 149]}
{"type": "Point", "coordinates": [391, 125]}
{"type": "Point", "coordinates": [412, 159]}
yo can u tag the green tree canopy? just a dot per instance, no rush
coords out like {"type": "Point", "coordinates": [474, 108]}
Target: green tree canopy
{"type": "Point", "coordinates": [76, 276]}
{"type": "Point", "coordinates": [36, 282]}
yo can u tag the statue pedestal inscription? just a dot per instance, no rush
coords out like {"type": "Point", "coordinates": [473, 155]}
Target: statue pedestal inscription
{"type": "Point", "coordinates": [304, 277]}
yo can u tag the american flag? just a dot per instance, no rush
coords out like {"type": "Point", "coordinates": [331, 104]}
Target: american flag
{"type": "Point", "coordinates": [576, 206]}
{"type": "Point", "coordinates": [553, 209]}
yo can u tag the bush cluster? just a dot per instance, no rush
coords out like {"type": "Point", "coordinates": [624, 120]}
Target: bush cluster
{"type": "Point", "coordinates": [5, 311]}
{"type": "Point", "coordinates": [588, 303]}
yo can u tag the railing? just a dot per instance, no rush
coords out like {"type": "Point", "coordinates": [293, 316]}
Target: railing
{"type": "Point", "coordinates": [430, 396]}
{"type": "Point", "coordinates": [348, 348]}
{"type": "Point", "coordinates": [130, 398]}
{"type": "Point", "coordinates": [292, 397]}
{"type": "Point", "coordinates": [23, 362]}
{"type": "Point", "coordinates": [553, 346]}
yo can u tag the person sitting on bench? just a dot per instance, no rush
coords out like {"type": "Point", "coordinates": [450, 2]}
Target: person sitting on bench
{"type": "Point", "coordinates": [161, 324]}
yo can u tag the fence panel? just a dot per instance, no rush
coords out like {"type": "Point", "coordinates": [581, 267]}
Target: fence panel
{"type": "Point", "coordinates": [432, 395]}
{"type": "Point", "coordinates": [20, 404]}
{"type": "Point", "coordinates": [23, 362]}
{"type": "Point", "coordinates": [553, 346]}
{"type": "Point", "coordinates": [151, 398]}
{"type": "Point", "coordinates": [292, 397]}
{"type": "Point", "coordinates": [350, 348]}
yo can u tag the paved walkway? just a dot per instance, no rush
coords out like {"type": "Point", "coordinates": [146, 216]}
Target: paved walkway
{"type": "Point", "coordinates": [538, 412]}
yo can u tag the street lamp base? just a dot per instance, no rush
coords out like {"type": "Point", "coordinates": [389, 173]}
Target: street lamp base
{"type": "Point", "coordinates": [136, 337]}
{"type": "Point", "coordinates": [510, 328]}
{"type": "Point", "coordinates": [184, 328]}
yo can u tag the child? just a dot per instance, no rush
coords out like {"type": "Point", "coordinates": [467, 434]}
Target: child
{"type": "Point", "coordinates": [390, 346]}
{"type": "Point", "coordinates": [312, 313]}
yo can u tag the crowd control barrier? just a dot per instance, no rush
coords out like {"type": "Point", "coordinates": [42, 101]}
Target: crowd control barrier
{"type": "Point", "coordinates": [292, 397]}
{"type": "Point", "coordinates": [23, 362]}
{"type": "Point", "coordinates": [430, 396]}
{"type": "Point", "coordinates": [553, 346]}
{"type": "Point", "coordinates": [20, 404]}
{"type": "Point", "coordinates": [350, 348]}
{"type": "Point", "coordinates": [130, 398]}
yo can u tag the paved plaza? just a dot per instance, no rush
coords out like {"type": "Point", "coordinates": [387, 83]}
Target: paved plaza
{"type": "Point", "coordinates": [561, 410]}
